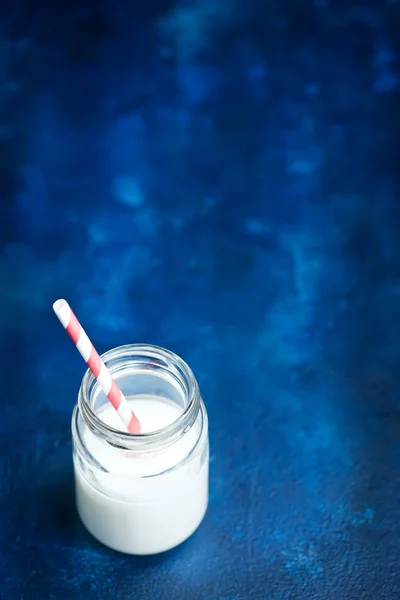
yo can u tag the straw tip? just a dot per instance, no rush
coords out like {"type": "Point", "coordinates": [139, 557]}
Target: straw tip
{"type": "Point", "coordinates": [59, 305]}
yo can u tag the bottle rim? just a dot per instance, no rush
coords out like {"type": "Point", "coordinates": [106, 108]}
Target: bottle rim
{"type": "Point", "coordinates": [141, 355]}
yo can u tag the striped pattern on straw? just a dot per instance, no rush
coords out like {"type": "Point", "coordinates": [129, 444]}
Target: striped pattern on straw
{"type": "Point", "coordinates": [89, 354]}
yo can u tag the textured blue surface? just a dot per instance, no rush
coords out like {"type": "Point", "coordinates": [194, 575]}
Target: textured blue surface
{"type": "Point", "coordinates": [224, 182]}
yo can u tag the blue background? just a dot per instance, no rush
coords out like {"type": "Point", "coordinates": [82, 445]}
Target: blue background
{"type": "Point", "coordinates": [220, 178]}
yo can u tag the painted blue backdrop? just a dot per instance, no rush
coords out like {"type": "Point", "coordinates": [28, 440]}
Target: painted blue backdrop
{"type": "Point", "coordinates": [220, 178]}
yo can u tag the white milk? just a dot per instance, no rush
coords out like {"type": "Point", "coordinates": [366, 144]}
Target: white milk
{"type": "Point", "coordinates": [147, 503]}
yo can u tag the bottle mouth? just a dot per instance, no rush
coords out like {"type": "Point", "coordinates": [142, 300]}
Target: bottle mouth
{"type": "Point", "coordinates": [137, 365]}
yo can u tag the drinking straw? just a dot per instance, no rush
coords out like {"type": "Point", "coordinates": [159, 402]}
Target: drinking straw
{"type": "Point", "coordinates": [89, 354]}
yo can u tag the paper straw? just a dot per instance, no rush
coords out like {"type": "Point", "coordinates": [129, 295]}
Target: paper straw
{"type": "Point", "coordinates": [78, 335]}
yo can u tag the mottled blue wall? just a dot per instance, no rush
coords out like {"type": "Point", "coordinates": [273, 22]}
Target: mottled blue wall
{"type": "Point", "coordinates": [220, 178]}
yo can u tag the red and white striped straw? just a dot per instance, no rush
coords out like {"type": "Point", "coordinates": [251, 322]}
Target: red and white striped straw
{"type": "Point", "coordinates": [78, 335]}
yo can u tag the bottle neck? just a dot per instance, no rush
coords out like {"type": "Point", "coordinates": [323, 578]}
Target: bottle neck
{"type": "Point", "coordinates": [142, 371]}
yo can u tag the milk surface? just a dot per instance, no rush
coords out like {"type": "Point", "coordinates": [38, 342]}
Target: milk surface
{"type": "Point", "coordinates": [152, 413]}
{"type": "Point", "coordinates": [149, 503]}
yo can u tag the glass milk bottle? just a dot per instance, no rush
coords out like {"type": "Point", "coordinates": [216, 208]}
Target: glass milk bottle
{"type": "Point", "coordinates": [142, 494]}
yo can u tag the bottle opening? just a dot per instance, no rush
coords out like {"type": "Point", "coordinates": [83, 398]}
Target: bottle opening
{"type": "Point", "coordinates": [160, 387]}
